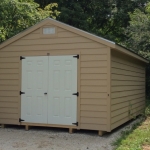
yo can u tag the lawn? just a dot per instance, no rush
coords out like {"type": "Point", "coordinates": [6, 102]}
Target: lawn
{"type": "Point", "coordinates": [138, 137]}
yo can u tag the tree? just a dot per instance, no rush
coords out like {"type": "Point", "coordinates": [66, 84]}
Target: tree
{"type": "Point", "coordinates": [138, 32]}
{"type": "Point", "coordinates": [138, 37]}
{"type": "Point", "coordinates": [17, 15]}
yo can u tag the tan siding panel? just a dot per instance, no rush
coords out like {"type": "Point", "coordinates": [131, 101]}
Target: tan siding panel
{"type": "Point", "coordinates": [120, 111]}
{"type": "Point", "coordinates": [127, 93]}
{"type": "Point", "coordinates": [120, 122]}
{"type": "Point", "coordinates": [67, 34]}
{"type": "Point", "coordinates": [53, 47]}
{"type": "Point", "coordinates": [9, 82]}
{"type": "Point", "coordinates": [9, 55]}
{"type": "Point", "coordinates": [93, 57]}
{"type": "Point", "coordinates": [94, 70]}
{"type": "Point", "coordinates": [93, 120]}
{"type": "Point", "coordinates": [9, 110]}
{"type": "Point", "coordinates": [31, 36]}
{"type": "Point", "coordinates": [100, 51]}
{"type": "Point", "coordinates": [39, 52]}
{"type": "Point", "coordinates": [128, 61]}
{"type": "Point", "coordinates": [115, 82]}
{"type": "Point", "coordinates": [138, 110]}
{"type": "Point", "coordinates": [61, 30]}
{"type": "Point", "coordinates": [7, 116]}
{"type": "Point", "coordinates": [119, 117]}
{"type": "Point", "coordinates": [38, 31]}
{"type": "Point", "coordinates": [93, 89]}
{"type": "Point", "coordinates": [51, 41]}
{"type": "Point", "coordinates": [119, 106]}
{"type": "Point", "coordinates": [128, 98]}
{"type": "Point", "coordinates": [94, 101]}
{"type": "Point", "coordinates": [128, 73]}
{"type": "Point", "coordinates": [94, 64]}
{"type": "Point", "coordinates": [9, 88]}
{"type": "Point", "coordinates": [9, 65]}
{"type": "Point", "coordinates": [9, 76]}
{"type": "Point", "coordinates": [9, 93]}
{"type": "Point", "coordinates": [8, 105]}
{"type": "Point", "coordinates": [135, 101]}
{"type": "Point", "coordinates": [9, 121]}
{"type": "Point", "coordinates": [94, 95]}
{"type": "Point", "coordinates": [12, 60]}
{"type": "Point", "coordinates": [93, 126]}
{"type": "Point", "coordinates": [127, 88]}
{"type": "Point", "coordinates": [94, 108]}
{"type": "Point", "coordinates": [140, 104]}
{"type": "Point", "coordinates": [127, 78]}
{"type": "Point", "coordinates": [131, 104]}
{"type": "Point", "coordinates": [94, 82]}
{"type": "Point", "coordinates": [9, 71]}
{"type": "Point", "coordinates": [93, 114]}
{"type": "Point", "coordinates": [94, 76]}
{"type": "Point", "coordinates": [126, 67]}
{"type": "Point", "coordinates": [9, 99]}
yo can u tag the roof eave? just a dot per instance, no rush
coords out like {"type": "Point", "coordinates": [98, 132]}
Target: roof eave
{"type": "Point", "coordinates": [130, 53]}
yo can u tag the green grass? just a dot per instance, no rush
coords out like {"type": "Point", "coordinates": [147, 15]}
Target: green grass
{"type": "Point", "coordinates": [137, 136]}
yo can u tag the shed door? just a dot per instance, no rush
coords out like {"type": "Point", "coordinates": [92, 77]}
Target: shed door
{"type": "Point", "coordinates": [56, 76]}
{"type": "Point", "coordinates": [34, 84]}
{"type": "Point", "coordinates": [62, 105]}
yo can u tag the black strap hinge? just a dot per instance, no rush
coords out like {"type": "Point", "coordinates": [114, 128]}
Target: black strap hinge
{"type": "Point", "coordinates": [21, 92]}
{"type": "Point", "coordinates": [77, 94]}
{"type": "Point", "coordinates": [20, 120]}
{"type": "Point", "coordinates": [22, 57]}
{"type": "Point", "coordinates": [77, 56]}
{"type": "Point", "coordinates": [75, 123]}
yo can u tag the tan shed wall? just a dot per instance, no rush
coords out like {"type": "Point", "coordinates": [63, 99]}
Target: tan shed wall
{"type": "Point", "coordinates": [127, 88]}
{"type": "Point", "coordinates": [93, 75]}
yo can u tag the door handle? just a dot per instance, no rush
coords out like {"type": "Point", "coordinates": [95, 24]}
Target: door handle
{"type": "Point", "coordinates": [45, 93]}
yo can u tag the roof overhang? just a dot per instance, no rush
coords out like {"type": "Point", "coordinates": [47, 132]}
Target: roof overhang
{"type": "Point", "coordinates": [130, 53]}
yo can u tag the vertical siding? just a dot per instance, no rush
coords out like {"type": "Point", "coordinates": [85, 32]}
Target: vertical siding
{"type": "Point", "coordinates": [93, 67]}
{"type": "Point", "coordinates": [127, 87]}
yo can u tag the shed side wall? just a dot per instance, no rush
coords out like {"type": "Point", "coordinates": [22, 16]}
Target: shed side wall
{"type": "Point", "coordinates": [92, 75]}
{"type": "Point", "coordinates": [127, 88]}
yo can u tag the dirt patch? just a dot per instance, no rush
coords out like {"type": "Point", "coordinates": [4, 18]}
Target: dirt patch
{"type": "Point", "coordinates": [146, 147]}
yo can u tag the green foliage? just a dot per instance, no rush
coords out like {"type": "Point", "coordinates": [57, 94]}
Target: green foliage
{"type": "Point", "coordinates": [134, 137]}
{"type": "Point", "coordinates": [147, 109]}
{"type": "Point", "coordinates": [17, 15]}
{"type": "Point", "coordinates": [106, 18]}
{"type": "Point", "coordinates": [124, 135]}
{"type": "Point", "coordinates": [138, 32]}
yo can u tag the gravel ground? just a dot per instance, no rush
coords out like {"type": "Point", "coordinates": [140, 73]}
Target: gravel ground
{"type": "Point", "coordinates": [38, 138]}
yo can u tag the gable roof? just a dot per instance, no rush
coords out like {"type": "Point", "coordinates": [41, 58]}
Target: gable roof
{"type": "Point", "coordinates": [93, 37]}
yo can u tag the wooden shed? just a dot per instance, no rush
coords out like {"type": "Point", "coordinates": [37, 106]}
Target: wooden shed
{"type": "Point", "coordinates": [55, 75]}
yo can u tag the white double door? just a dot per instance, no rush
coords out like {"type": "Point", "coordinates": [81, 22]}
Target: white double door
{"type": "Point", "coordinates": [48, 83]}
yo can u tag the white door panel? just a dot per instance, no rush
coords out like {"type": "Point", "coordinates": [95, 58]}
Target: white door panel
{"type": "Point", "coordinates": [62, 105]}
{"type": "Point", "coordinates": [56, 76]}
{"type": "Point", "coordinates": [34, 84]}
